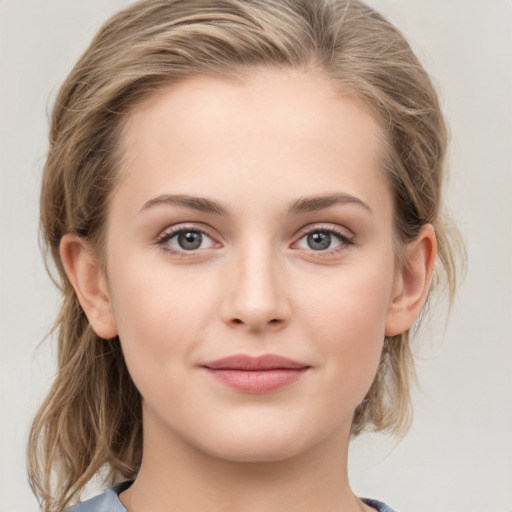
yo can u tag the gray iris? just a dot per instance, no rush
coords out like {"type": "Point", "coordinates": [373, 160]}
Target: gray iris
{"type": "Point", "coordinates": [319, 240]}
{"type": "Point", "coordinates": [190, 240]}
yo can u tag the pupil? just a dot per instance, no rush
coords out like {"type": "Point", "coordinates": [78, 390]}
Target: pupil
{"type": "Point", "coordinates": [190, 240]}
{"type": "Point", "coordinates": [319, 240]}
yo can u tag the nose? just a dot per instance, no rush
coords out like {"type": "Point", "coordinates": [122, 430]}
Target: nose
{"type": "Point", "coordinates": [255, 293]}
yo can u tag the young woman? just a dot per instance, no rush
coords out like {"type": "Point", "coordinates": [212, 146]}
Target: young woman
{"type": "Point", "coordinates": [243, 201]}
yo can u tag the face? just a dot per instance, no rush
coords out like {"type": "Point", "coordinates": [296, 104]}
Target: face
{"type": "Point", "coordinates": [252, 222]}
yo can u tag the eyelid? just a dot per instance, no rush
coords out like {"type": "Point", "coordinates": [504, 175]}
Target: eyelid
{"type": "Point", "coordinates": [170, 232]}
{"type": "Point", "coordinates": [331, 228]}
{"type": "Point", "coordinates": [345, 236]}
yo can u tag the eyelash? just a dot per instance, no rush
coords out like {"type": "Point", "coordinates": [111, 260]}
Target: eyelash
{"type": "Point", "coordinates": [344, 240]}
{"type": "Point", "coordinates": [166, 236]}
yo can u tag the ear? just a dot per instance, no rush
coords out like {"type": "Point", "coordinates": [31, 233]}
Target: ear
{"type": "Point", "coordinates": [413, 282]}
{"type": "Point", "coordinates": [87, 278]}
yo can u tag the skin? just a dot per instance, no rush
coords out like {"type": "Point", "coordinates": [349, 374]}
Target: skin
{"type": "Point", "coordinates": [255, 286]}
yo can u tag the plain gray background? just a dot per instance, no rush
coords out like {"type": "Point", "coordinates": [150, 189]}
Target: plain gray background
{"type": "Point", "coordinates": [458, 455]}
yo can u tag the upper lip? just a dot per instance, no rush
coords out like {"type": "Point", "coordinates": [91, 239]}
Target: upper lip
{"type": "Point", "coordinates": [247, 362]}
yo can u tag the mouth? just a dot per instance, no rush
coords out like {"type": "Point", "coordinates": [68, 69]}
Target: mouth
{"type": "Point", "coordinates": [262, 374]}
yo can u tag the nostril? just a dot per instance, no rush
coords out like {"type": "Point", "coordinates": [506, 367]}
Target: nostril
{"type": "Point", "coordinates": [273, 321]}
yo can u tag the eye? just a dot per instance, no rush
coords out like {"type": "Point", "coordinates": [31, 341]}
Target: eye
{"type": "Point", "coordinates": [320, 240]}
{"type": "Point", "coordinates": [323, 240]}
{"type": "Point", "coordinates": [185, 240]}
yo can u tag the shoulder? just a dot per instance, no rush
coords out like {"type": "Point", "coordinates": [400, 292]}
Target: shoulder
{"type": "Point", "coordinates": [378, 505]}
{"type": "Point", "coordinates": [108, 501]}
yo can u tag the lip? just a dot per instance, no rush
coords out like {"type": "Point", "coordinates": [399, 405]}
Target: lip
{"type": "Point", "coordinates": [262, 374]}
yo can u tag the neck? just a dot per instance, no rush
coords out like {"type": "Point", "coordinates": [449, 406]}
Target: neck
{"type": "Point", "coordinates": [176, 475]}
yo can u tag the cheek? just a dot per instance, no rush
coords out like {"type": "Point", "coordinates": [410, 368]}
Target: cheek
{"type": "Point", "coordinates": [347, 324]}
{"type": "Point", "coordinates": [160, 318]}
{"type": "Point", "coordinates": [352, 303]}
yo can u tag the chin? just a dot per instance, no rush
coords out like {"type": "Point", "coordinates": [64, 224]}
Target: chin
{"type": "Point", "coordinates": [262, 451]}
{"type": "Point", "coordinates": [256, 442]}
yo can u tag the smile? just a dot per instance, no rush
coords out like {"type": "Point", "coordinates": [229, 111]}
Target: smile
{"type": "Point", "coordinates": [262, 374]}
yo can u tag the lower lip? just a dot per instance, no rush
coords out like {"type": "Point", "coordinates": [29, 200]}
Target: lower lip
{"type": "Point", "coordinates": [257, 381]}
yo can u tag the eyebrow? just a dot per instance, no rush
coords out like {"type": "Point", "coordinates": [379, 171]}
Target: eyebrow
{"type": "Point", "coordinates": [313, 204]}
{"type": "Point", "coordinates": [302, 205]}
{"type": "Point", "coordinates": [195, 203]}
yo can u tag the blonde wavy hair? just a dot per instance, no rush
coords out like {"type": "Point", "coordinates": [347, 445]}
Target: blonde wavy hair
{"type": "Point", "coordinates": [91, 419]}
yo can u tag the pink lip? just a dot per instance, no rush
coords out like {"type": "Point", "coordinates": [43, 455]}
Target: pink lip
{"type": "Point", "coordinates": [262, 374]}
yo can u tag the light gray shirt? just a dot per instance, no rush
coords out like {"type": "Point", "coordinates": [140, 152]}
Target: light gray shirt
{"type": "Point", "coordinates": [109, 501]}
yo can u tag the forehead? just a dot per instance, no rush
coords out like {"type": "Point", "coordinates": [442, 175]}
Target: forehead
{"type": "Point", "coordinates": [285, 128]}
{"type": "Point", "coordinates": [280, 98]}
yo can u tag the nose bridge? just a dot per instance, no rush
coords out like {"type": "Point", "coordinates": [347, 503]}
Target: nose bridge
{"type": "Point", "coordinates": [256, 295]}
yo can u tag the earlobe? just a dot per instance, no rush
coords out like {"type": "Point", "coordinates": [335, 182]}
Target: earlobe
{"type": "Point", "coordinates": [88, 280]}
{"type": "Point", "coordinates": [414, 282]}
